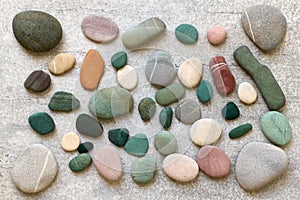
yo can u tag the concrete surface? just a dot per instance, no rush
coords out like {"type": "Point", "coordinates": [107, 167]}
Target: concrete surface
{"type": "Point", "coordinates": [17, 103]}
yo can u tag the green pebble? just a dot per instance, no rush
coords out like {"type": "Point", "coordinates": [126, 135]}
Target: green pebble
{"type": "Point", "coordinates": [276, 128]}
{"type": "Point", "coordinates": [119, 59]}
{"type": "Point", "coordinates": [85, 147]}
{"type": "Point", "coordinates": [80, 162]}
{"type": "Point", "coordinates": [165, 142]}
{"type": "Point", "coordinates": [165, 117]}
{"type": "Point", "coordinates": [240, 131]}
{"type": "Point", "coordinates": [169, 94]}
{"type": "Point", "coordinates": [63, 101]}
{"type": "Point", "coordinates": [204, 91]}
{"type": "Point", "coordinates": [137, 145]}
{"type": "Point", "coordinates": [230, 111]}
{"type": "Point", "coordinates": [186, 33]}
{"type": "Point", "coordinates": [41, 122]}
{"type": "Point", "coordinates": [143, 170]}
{"type": "Point", "coordinates": [118, 136]}
{"type": "Point", "coordinates": [147, 108]}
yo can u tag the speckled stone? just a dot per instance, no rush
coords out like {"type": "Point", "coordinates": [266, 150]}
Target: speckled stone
{"type": "Point", "coordinates": [169, 94]}
{"type": "Point", "coordinates": [230, 111]}
{"type": "Point", "coordinates": [127, 77]}
{"type": "Point", "coordinates": [247, 93]}
{"type": "Point", "coordinates": [240, 131]}
{"type": "Point", "coordinates": [38, 81]}
{"type": "Point", "coordinates": [165, 142]}
{"type": "Point", "coordinates": [80, 162]}
{"type": "Point", "coordinates": [61, 63]}
{"type": "Point", "coordinates": [216, 35]}
{"type": "Point", "coordinates": [165, 117]}
{"type": "Point", "coordinates": [143, 170]}
{"type": "Point", "coordinates": [119, 60]}
{"type": "Point", "coordinates": [41, 122]}
{"type": "Point", "coordinates": [63, 101]}
{"type": "Point", "coordinates": [190, 72]}
{"type": "Point", "coordinates": [137, 145]}
{"type": "Point", "coordinates": [186, 33]}
{"type": "Point", "coordinates": [87, 125]}
{"type": "Point", "coordinates": [85, 147]}
{"type": "Point", "coordinates": [37, 31]}
{"type": "Point", "coordinates": [147, 108]}
{"type": "Point", "coordinates": [118, 136]}
{"type": "Point", "coordinates": [204, 91]}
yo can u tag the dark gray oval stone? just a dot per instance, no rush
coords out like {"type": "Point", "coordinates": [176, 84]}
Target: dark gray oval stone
{"type": "Point", "coordinates": [37, 31]}
{"type": "Point", "coordinates": [188, 111]}
{"type": "Point", "coordinates": [37, 81]}
{"type": "Point", "coordinates": [88, 126]}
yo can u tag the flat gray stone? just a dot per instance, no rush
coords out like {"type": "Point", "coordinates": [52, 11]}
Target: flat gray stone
{"type": "Point", "coordinates": [87, 125]}
{"type": "Point", "coordinates": [188, 111]}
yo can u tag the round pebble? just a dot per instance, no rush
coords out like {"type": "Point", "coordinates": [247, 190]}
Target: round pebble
{"type": "Point", "coordinates": [70, 141]}
{"type": "Point", "coordinates": [61, 63]}
{"type": "Point", "coordinates": [216, 35]}
{"type": "Point", "coordinates": [87, 125]}
{"type": "Point", "coordinates": [190, 72]}
{"type": "Point", "coordinates": [247, 93]}
{"type": "Point", "coordinates": [147, 108]}
{"type": "Point", "coordinates": [143, 170]}
{"type": "Point", "coordinates": [119, 60]}
{"type": "Point", "coordinates": [205, 131]}
{"type": "Point", "coordinates": [165, 117]}
{"type": "Point", "coordinates": [38, 81]}
{"type": "Point", "coordinates": [165, 142]}
{"type": "Point", "coordinates": [186, 33]}
{"type": "Point", "coordinates": [137, 145]}
{"type": "Point", "coordinates": [85, 147]}
{"type": "Point", "coordinates": [204, 91]}
{"type": "Point", "coordinates": [230, 111]}
{"type": "Point", "coordinates": [41, 122]}
{"type": "Point", "coordinates": [80, 162]}
{"type": "Point", "coordinates": [63, 101]}
{"type": "Point", "coordinates": [127, 77]}
{"type": "Point", "coordinates": [188, 111]}
{"type": "Point", "coordinates": [118, 136]}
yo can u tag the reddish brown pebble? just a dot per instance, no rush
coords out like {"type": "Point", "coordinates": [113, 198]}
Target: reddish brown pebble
{"type": "Point", "coordinates": [216, 35]}
{"type": "Point", "coordinates": [223, 78]}
{"type": "Point", "coordinates": [92, 70]}
{"type": "Point", "coordinates": [213, 161]}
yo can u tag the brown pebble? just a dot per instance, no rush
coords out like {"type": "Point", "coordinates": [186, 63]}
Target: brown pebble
{"type": "Point", "coordinates": [37, 81]}
{"type": "Point", "coordinates": [216, 35]}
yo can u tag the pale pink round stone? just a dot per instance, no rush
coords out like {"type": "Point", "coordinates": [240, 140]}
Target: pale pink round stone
{"type": "Point", "coordinates": [216, 35]}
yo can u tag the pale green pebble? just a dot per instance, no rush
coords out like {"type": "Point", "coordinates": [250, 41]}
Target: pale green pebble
{"type": "Point", "coordinates": [169, 94]}
{"type": "Point", "coordinates": [143, 170]}
{"type": "Point", "coordinates": [165, 142]}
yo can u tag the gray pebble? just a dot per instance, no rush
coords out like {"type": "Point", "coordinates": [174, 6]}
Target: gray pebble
{"type": "Point", "coordinates": [188, 111]}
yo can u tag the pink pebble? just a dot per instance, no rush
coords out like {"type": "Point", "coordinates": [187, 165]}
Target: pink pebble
{"type": "Point", "coordinates": [216, 35]}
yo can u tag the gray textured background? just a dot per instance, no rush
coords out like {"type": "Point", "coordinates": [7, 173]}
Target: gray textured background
{"type": "Point", "coordinates": [17, 103]}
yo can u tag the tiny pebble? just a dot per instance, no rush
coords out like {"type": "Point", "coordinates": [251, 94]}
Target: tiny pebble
{"type": "Point", "coordinates": [216, 35]}
{"type": "Point", "coordinates": [247, 93]}
{"type": "Point", "coordinates": [147, 108]}
{"type": "Point", "coordinates": [127, 77]}
{"type": "Point", "coordinates": [70, 141]}
{"type": "Point", "coordinates": [85, 147]}
{"type": "Point", "coordinates": [119, 60]}
{"type": "Point", "coordinates": [230, 111]}
{"type": "Point", "coordinates": [240, 131]}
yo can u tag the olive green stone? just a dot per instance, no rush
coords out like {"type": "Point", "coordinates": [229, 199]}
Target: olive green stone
{"type": "Point", "coordinates": [147, 108]}
{"type": "Point", "coordinates": [37, 31]}
{"type": "Point", "coordinates": [137, 145]}
{"type": "Point", "coordinates": [119, 59]}
{"type": "Point", "coordinates": [165, 142]}
{"type": "Point", "coordinates": [112, 102]}
{"type": "Point", "coordinates": [169, 94]}
{"type": "Point", "coordinates": [230, 111]}
{"type": "Point", "coordinates": [41, 122]}
{"type": "Point", "coordinates": [63, 101]}
{"type": "Point", "coordinates": [204, 91]}
{"type": "Point", "coordinates": [143, 170]}
{"type": "Point", "coordinates": [80, 162]}
{"type": "Point", "coordinates": [186, 33]}
{"type": "Point", "coordinates": [165, 117]}
{"type": "Point", "coordinates": [240, 131]}
{"type": "Point", "coordinates": [276, 128]}
{"type": "Point", "coordinates": [118, 136]}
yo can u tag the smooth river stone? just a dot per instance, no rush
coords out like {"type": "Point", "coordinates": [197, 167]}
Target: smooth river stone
{"type": "Point", "coordinates": [85, 147]}
{"type": "Point", "coordinates": [87, 125]}
{"type": "Point", "coordinates": [165, 142]}
{"type": "Point", "coordinates": [180, 167]}
{"type": "Point", "coordinates": [80, 162]}
{"type": "Point", "coordinates": [38, 81]}
{"type": "Point", "coordinates": [118, 136]}
{"type": "Point", "coordinates": [99, 28]}
{"type": "Point", "coordinates": [37, 31]}
{"type": "Point", "coordinates": [205, 131]}
{"type": "Point", "coordinates": [108, 163]}
{"type": "Point", "coordinates": [143, 170]}
{"type": "Point", "coordinates": [61, 63]}
{"type": "Point", "coordinates": [216, 35]}
{"type": "Point", "coordinates": [188, 111]}
{"type": "Point", "coordinates": [143, 33]}
{"type": "Point", "coordinates": [204, 91]}
{"type": "Point", "coordinates": [240, 131]}
{"type": "Point", "coordinates": [41, 122]}
{"type": "Point", "coordinates": [265, 25]}
{"type": "Point", "coordinates": [63, 101]}
{"type": "Point", "coordinates": [112, 102]}
{"type": "Point", "coordinates": [34, 169]}
{"type": "Point", "coordinates": [160, 69]}
{"type": "Point", "coordinates": [165, 117]}
{"type": "Point", "coordinates": [119, 60]}
{"type": "Point", "coordinates": [70, 141]}
{"type": "Point", "coordinates": [230, 111]}
{"type": "Point", "coordinates": [92, 70]}
{"type": "Point", "coordinates": [213, 161]}
{"type": "Point", "coordinates": [147, 108]}
{"type": "Point", "coordinates": [259, 164]}
{"type": "Point", "coordinates": [186, 33]}
{"type": "Point", "coordinates": [137, 145]}
{"type": "Point", "coordinates": [169, 94]}
{"type": "Point", "coordinates": [276, 128]}
{"type": "Point", "coordinates": [247, 93]}
{"type": "Point", "coordinates": [127, 77]}
{"type": "Point", "coordinates": [190, 72]}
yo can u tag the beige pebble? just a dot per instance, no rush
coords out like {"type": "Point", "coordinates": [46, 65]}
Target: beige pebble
{"type": "Point", "coordinates": [61, 63]}
{"type": "Point", "coordinates": [205, 131]}
{"type": "Point", "coordinates": [247, 93]}
{"type": "Point", "coordinates": [190, 72]}
{"type": "Point", "coordinates": [127, 77]}
{"type": "Point", "coordinates": [70, 141]}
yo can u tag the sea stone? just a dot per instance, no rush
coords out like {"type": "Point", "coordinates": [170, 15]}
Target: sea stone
{"type": "Point", "coordinates": [204, 91]}
{"type": "Point", "coordinates": [190, 72]}
{"type": "Point", "coordinates": [61, 63]}
{"type": "Point", "coordinates": [265, 25]}
{"type": "Point", "coordinates": [108, 163]}
{"type": "Point", "coordinates": [34, 169]}
{"type": "Point", "coordinates": [137, 145]}
{"type": "Point", "coordinates": [186, 33]}
{"type": "Point", "coordinates": [112, 102]}
{"type": "Point", "coordinates": [165, 142]}
{"type": "Point", "coordinates": [169, 94]}
{"type": "Point", "coordinates": [41, 122]}
{"type": "Point", "coordinates": [119, 60]}
{"type": "Point", "coordinates": [240, 131]}
{"type": "Point", "coordinates": [99, 28]}
{"type": "Point", "coordinates": [147, 108]}
{"type": "Point", "coordinates": [230, 111]}
{"type": "Point", "coordinates": [87, 125]}
{"type": "Point", "coordinates": [247, 93]}
{"type": "Point", "coordinates": [188, 111]}
{"type": "Point", "coordinates": [38, 81]}
{"type": "Point", "coordinates": [143, 33]}
{"type": "Point", "coordinates": [63, 101]}
{"type": "Point", "coordinates": [165, 117]}
{"type": "Point", "coordinates": [180, 167]}
{"type": "Point", "coordinates": [37, 31]}
{"type": "Point", "coordinates": [127, 77]}
{"type": "Point", "coordinates": [80, 162]}
{"type": "Point", "coordinates": [143, 170]}
{"type": "Point", "coordinates": [276, 128]}
{"type": "Point", "coordinates": [92, 70]}
{"type": "Point", "coordinates": [70, 141]}
{"type": "Point", "coordinates": [85, 147]}
{"type": "Point", "coordinates": [118, 136]}
{"type": "Point", "coordinates": [160, 69]}
{"type": "Point", "coordinates": [259, 164]}
{"type": "Point", "coordinates": [216, 35]}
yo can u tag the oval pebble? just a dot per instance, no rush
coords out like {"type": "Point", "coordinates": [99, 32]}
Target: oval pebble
{"type": "Point", "coordinates": [108, 163]}
{"type": "Point", "coordinates": [87, 125]}
{"type": "Point", "coordinates": [38, 81]}
{"type": "Point", "coordinates": [99, 28]}
{"type": "Point", "coordinates": [70, 141]}
{"type": "Point", "coordinates": [186, 33]}
{"type": "Point", "coordinates": [169, 94]}
{"type": "Point", "coordinates": [165, 142]}
{"type": "Point", "coordinates": [85, 147]}
{"type": "Point", "coordinates": [190, 72]}
{"type": "Point", "coordinates": [118, 136]}
{"type": "Point", "coordinates": [41, 122]}
{"type": "Point", "coordinates": [276, 128]}
{"type": "Point", "coordinates": [180, 167]}
{"type": "Point", "coordinates": [230, 111]}
{"type": "Point", "coordinates": [61, 63]}
{"type": "Point", "coordinates": [92, 70]}
{"type": "Point", "coordinates": [247, 93]}
{"type": "Point", "coordinates": [147, 108]}
{"type": "Point", "coordinates": [188, 111]}
{"type": "Point", "coordinates": [63, 101]}
{"type": "Point", "coordinates": [205, 131]}
{"type": "Point", "coordinates": [80, 162]}
{"type": "Point", "coordinates": [213, 161]}
{"type": "Point", "coordinates": [127, 77]}
{"type": "Point", "coordinates": [119, 60]}
{"type": "Point", "coordinates": [240, 131]}
{"type": "Point", "coordinates": [216, 35]}
{"type": "Point", "coordinates": [204, 91]}
{"type": "Point", "coordinates": [137, 145]}
{"type": "Point", "coordinates": [143, 170]}
{"type": "Point", "coordinates": [165, 117]}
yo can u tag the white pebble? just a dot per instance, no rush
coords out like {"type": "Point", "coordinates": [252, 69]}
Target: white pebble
{"type": "Point", "coordinates": [127, 77]}
{"type": "Point", "coordinates": [247, 93]}
{"type": "Point", "coordinates": [190, 72]}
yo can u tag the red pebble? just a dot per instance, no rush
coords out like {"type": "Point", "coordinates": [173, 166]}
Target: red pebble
{"type": "Point", "coordinates": [223, 78]}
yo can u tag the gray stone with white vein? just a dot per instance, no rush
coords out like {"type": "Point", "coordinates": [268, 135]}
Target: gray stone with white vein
{"type": "Point", "coordinates": [188, 111]}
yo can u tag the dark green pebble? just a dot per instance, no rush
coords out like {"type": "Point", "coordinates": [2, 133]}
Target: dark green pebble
{"type": "Point", "coordinates": [204, 91]}
{"type": "Point", "coordinates": [230, 111]}
{"type": "Point", "coordinates": [119, 59]}
{"type": "Point", "coordinates": [80, 162]}
{"type": "Point", "coordinates": [165, 117]}
{"type": "Point", "coordinates": [41, 122]}
{"type": "Point", "coordinates": [118, 136]}
{"type": "Point", "coordinates": [147, 108]}
{"type": "Point", "coordinates": [137, 145]}
{"type": "Point", "coordinates": [85, 147]}
{"type": "Point", "coordinates": [186, 33]}
{"type": "Point", "coordinates": [37, 81]}
{"type": "Point", "coordinates": [240, 131]}
{"type": "Point", "coordinates": [63, 101]}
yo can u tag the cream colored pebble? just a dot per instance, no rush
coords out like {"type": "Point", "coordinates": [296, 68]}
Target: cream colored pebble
{"type": "Point", "coordinates": [127, 77]}
{"type": "Point", "coordinates": [247, 93]}
{"type": "Point", "coordinates": [190, 72]}
{"type": "Point", "coordinates": [61, 63]}
{"type": "Point", "coordinates": [70, 141]}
